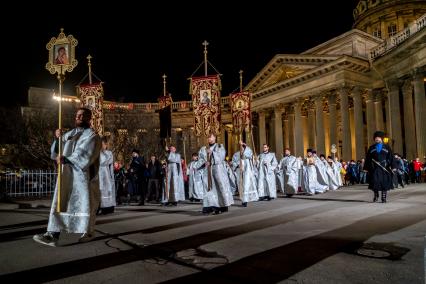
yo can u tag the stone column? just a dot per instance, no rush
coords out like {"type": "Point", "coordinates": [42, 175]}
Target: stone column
{"type": "Point", "coordinates": [235, 143]}
{"type": "Point", "coordinates": [395, 116]}
{"type": "Point", "coordinates": [400, 21]}
{"type": "Point", "coordinates": [320, 131]}
{"type": "Point", "coordinates": [332, 120]}
{"type": "Point", "coordinates": [352, 123]}
{"type": "Point", "coordinates": [420, 111]}
{"type": "Point", "coordinates": [262, 129]}
{"type": "Point", "coordinates": [359, 125]}
{"type": "Point", "coordinates": [383, 29]}
{"type": "Point", "coordinates": [311, 127]}
{"type": "Point", "coordinates": [327, 133]}
{"type": "Point", "coordinates": [286, 130]}
{"type": "Point", "coordinates": [378, 107]}
{"type": "Point", "coordinates": [371, 123]}
{"type": "Point", "coordinates": [270, 135]}
{"type": "Point", "coordinates": [298, 128]}
{"type": "Point", "coordinates": [386, 102]}
{"type": "Point", "coordinates": [409, 125]}
{"type": "Point", "coordinates": [346, 128]}
{"type": "Point", "coordinates": [306, 130]}
{"type": "Point", "coordinates": [230, 146]}
{"type": "Point", "coordinates": [278, 131]}
{"type": "Point", "coordinates": [291, 133]}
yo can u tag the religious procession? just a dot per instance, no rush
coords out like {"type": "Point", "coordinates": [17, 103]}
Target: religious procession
{"type": "Point", "coordinates": [90, 183]}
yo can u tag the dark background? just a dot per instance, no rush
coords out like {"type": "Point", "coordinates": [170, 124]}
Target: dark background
{"type": "Point", "coordinates": [132, 47]}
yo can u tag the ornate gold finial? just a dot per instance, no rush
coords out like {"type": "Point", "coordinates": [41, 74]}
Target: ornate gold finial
{"type": "Point", "coordinates": [62, 30]}
{"type": "Point", "coordinates": [164, 84]}
{"type": "Point", "coordinates": [241, 80]}
{"type": "Point", "coordinates": [205, 43]}
{"type": "Point", "coordinates": [89, 64]}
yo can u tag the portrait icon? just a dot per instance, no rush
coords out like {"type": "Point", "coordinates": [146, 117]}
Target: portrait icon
{"type": "Point", "coordinates": [90, 102]}
{"type": "Point", "coordinates": [61, 54]}
{"type": "Point", "coordinates": [240, 104]}
{"type": "Point", "coordinates": [205, 97]}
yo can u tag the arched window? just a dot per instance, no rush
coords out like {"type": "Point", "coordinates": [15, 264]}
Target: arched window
{"type": "Point", "coordinates": [392, 29]}
{"type": "Point", "coordinates": [377, 32]}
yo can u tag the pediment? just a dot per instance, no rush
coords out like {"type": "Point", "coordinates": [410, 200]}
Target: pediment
{"type": "Point", "coordinates": [284, 72]}
{"type": "Point", "coordinates": [286, 66]}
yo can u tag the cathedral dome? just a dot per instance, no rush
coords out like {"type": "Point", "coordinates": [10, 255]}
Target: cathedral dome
{"type": "Point", "coordinates": [385, 18]}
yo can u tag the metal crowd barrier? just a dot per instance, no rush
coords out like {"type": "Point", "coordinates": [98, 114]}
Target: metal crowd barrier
{"type": "Point", "coordinates": [28, 183]}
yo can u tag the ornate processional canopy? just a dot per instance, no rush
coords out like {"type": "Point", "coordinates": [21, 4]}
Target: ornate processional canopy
{"type": "Point", "coordinates": [92, 97]}
{"type": "Point", "coordinates": [241, 109]}
{"type": "Point", "coordinates": [205, 91]}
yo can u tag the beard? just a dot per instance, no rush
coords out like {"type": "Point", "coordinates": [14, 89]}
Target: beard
{"type": "Point", "coordinates": [83, 124]}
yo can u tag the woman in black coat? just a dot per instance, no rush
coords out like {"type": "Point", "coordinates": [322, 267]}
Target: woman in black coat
{"type": "Point", "coordinates": [378, 164]}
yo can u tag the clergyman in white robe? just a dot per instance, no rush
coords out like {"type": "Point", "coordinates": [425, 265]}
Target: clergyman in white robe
{"type": "Point", "coordinates": [289, 174]}
{"type": "Point", "coordinates": [242, 164]}
{"type": "Point", "coordinates": [195, 176]}
{"type": "Point", "coordinates": [174, 189]}
{"type": "Point", "coordinates": [79, 194]}
{"type": "Point", "coordinates": [219, 196]}
{"type": "Point", "coordinates": [267, 181]}
{"type": "Point", "coordinates": [106, 179]}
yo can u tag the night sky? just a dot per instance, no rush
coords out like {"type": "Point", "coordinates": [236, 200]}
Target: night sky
{"type": "Point", "coordinates": [133, 47]}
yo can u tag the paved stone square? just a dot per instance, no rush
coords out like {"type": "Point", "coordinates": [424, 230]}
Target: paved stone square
{"type": "Point", "coordinates": [336, 237]}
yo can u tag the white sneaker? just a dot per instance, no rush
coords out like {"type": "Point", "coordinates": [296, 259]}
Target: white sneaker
{"type": "Point", "coordinates": [86, 237]}
{"type": "Point", "coordinates": [46, 239]}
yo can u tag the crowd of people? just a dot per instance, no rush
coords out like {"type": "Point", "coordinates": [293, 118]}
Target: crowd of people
{"type": "Point", "coordinates": [143, 181]}
{"type": "Point", "coordinates": [92, 184]}
{"type": "Point", "coordinates": [258, 177]}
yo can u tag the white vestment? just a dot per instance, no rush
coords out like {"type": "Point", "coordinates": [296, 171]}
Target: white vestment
{"type": "Point", "coordinates": [79, 194]}
{"type": "Point", "coordinates": [289, 175]}
{"type": "Point", "coordinates": [242, 164]}
{"type": "Point", "coordinates": [220, 194]}
{"type": "Point", "coordinates": [196, 187]}
{"type": "Point", "coordinates": [267, 183]}
{"type": "Point", "coordinates": [106, 179]}
{"type": "Point", "coordinates": [174, 189]}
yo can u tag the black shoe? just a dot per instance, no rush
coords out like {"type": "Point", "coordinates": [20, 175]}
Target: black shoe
{"type": "Point", "coordinates": [223, 209]}
{"type": "Point", "coordinates": [46, 239]}
{"type": "Point", "coordinates": [376, 196]}
{"type": "Point", "coordinates": [244, 204]}
{"type": "Point", "coordinates": [384, 195]}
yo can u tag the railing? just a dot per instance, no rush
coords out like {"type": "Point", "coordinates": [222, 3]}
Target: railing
{"type": "Point", "coordinates": [152, 107]}
{"type": "Point", "coordinates": [182, 105]}
{"type": "Point", "coordinates": [32, 183]}
{"type": "Point", "coordinates": [399, 38]}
